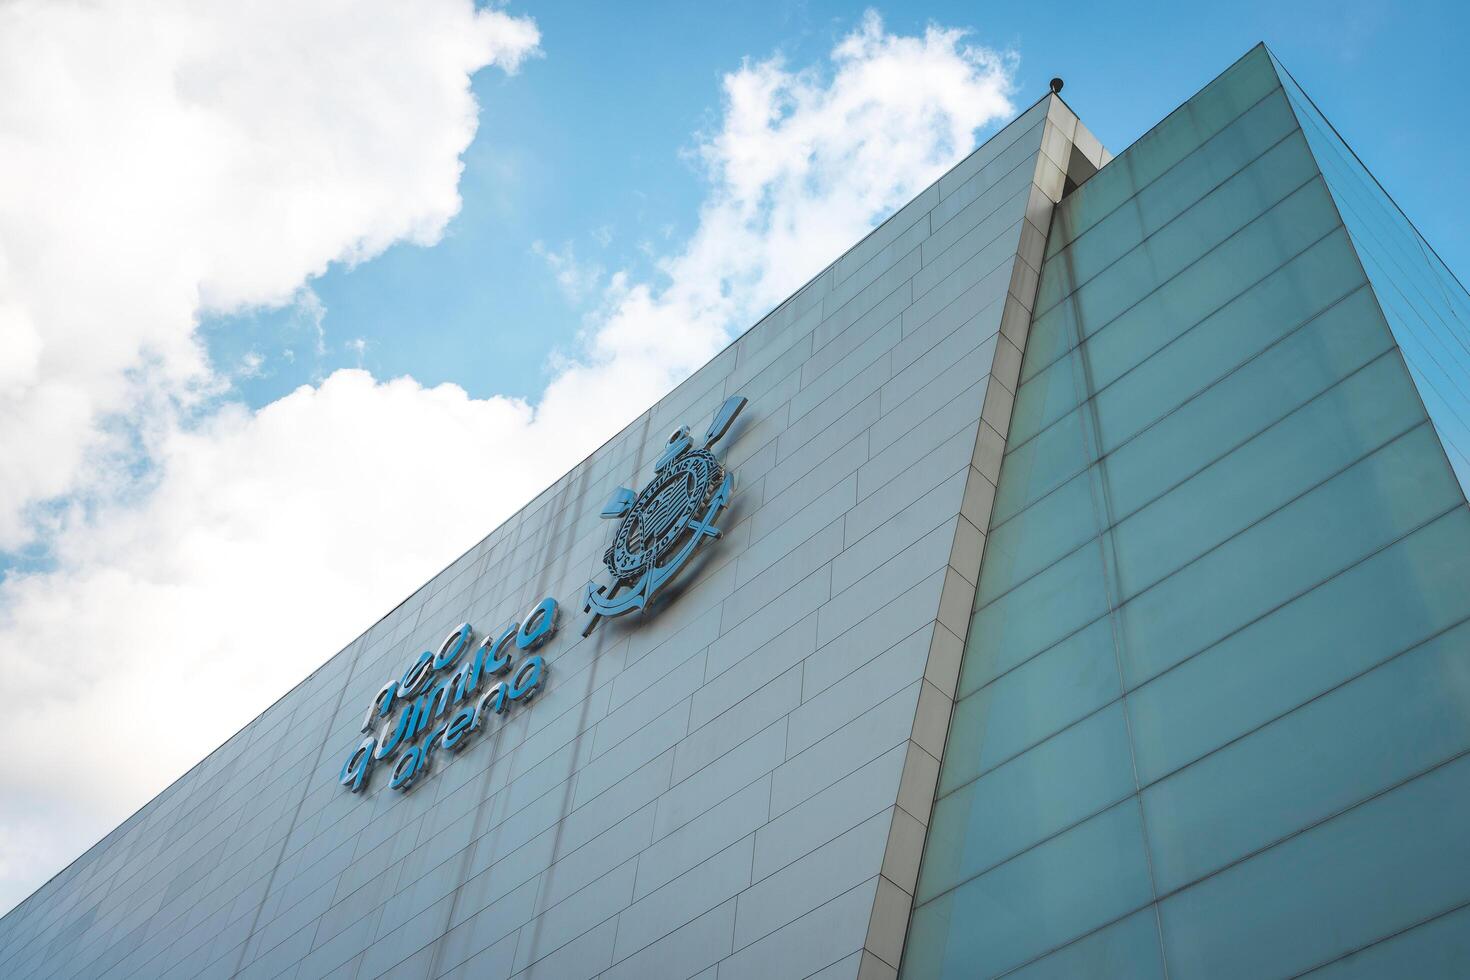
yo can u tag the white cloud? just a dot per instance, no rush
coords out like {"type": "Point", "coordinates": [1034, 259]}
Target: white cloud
{"type": "Point", "coordinates": [265, 540]}
{"type": "Point", "coordinates": [576, 279]}
{"type": "Point", "coordinates": [259, 551]}
{"type": "Point", "coordinates": [252, 364]}
{"type": "Point", "coordinates": [803, 164]}
{"type": "Point", "coordinates": [180, 156]}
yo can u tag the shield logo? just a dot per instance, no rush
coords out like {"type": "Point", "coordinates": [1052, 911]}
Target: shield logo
{"type": "Point", "coordinates": [662, 526]}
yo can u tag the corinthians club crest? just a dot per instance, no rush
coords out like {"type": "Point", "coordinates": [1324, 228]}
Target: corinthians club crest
{"type": "Point", "coordinates": [666, 523]}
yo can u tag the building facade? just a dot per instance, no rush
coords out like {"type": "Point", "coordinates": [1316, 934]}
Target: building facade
{"type": "Point", "coordinates": [1071, 580]}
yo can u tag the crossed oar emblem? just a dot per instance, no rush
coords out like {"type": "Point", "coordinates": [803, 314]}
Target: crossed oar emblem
{"type": "Point", "coordinates": [663, 526]}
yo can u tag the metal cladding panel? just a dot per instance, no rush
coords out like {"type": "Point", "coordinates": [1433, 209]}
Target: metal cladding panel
{"type": "Point", "coordinates": [737, 779]}
{"type": "Point", "coordinates": [1425, 304]}
{"type": "Point", "coordinates": [1211, 717]}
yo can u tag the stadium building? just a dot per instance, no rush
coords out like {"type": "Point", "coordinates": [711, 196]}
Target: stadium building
{"type": "Point", "coordinates": [1071, 580]}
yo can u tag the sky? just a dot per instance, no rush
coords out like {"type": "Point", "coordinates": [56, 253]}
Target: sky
{"type": "Point", "coordinates": [300, 298]}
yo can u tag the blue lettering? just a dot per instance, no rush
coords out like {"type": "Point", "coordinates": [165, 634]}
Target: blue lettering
{"type": "Point", "coordinates": [442, 696]}
{"type": "Point", "coordinates": [431, 692]}
{"type": "Point", "coordinates": [495, 657]}
{"type": "Point", "coordinates": [415, 674]}
{"type": "Point", "coordinates": [355, 770]}
{"type": "Point", "coordinates": [405, 769]}
{"type": "Point", "coordinates": [428, 747]}
{"type": "Point", "coordinates": [381, 706]}
{"type": "Point", "coordinates": [410, 723]}
{"type": "Point", "coordinates": [538, 626]}
{"type": "Point", "coordinates": [453, 645]}
{"type": "Point", "coordinates": [494, 700]}
{"type": "Point", "coordinates": [456, 733]}
{"type": "Point", "coordinates": [527, 682]}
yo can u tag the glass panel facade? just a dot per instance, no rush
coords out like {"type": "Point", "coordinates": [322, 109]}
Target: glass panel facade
{"type": "Point", "coordinates": [1427, 306]}
{"type": "Point", "coordinates": [1213, 716]}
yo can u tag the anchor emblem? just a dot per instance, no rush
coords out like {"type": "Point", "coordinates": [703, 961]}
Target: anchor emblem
{"type": "Point", "coordinates": [666, 523]}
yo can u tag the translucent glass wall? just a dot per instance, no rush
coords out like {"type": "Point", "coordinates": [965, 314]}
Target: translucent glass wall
{"type": "Point", "coordinates": [1214, 706]}
{"type": "Point", "coordinates": [1425, 304]}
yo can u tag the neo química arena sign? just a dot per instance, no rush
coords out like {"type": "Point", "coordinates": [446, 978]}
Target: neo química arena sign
{"type": "Point", "coordinates": [445, 698]}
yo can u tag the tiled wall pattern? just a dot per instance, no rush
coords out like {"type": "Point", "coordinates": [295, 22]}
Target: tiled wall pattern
{"type": "Point", "coordinates": [736, 787]}
{"type": "Point", "coordinates": [1213, 715]}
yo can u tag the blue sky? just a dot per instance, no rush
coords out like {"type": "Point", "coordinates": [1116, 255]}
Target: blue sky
{"type": "Point", "coordinates": [587, 147]}
{"type": "Point", "coordinates": [487, 237]}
